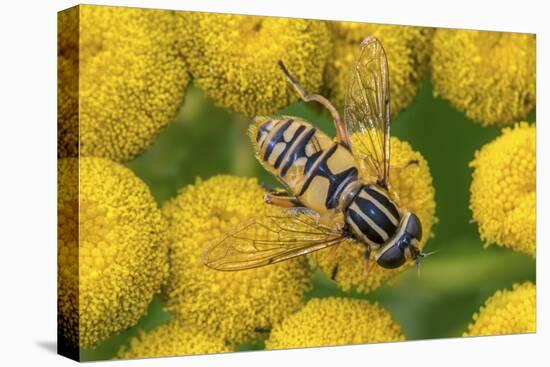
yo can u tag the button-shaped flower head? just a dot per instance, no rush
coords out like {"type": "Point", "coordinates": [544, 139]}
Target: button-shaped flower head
{"type": "Point", "coordinates": [112, 249]}
{"type": "Point", "coordinates": [172, 339]}
{"type": "Point", "coordinates": [233, 58]}
{"type": "Point", "coordinates": [131, 80]}
{"type": "Point", "coordinates": [335, 321]}
{"type": "Point", "coordinates": [490, 76]}
{"type": "Point", "coordinates": [230, 304]}
{"type": "Point", "coordinates": [503, 190]}
{"type": "Point", "coordinates": [506, 312]}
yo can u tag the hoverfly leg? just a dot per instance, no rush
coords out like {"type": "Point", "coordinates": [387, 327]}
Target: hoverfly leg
{"type": "Point", "coordinates": [412, 162]}
{"type": "Point", "coordinates": [278, 192]}
{"type": "Point", "coordinates": [366, 264]}
{"type": "Point", "coordinates": [334, 273]}
{"type": "Point", "coordinates": [303, 210]}
{"type": "Point", "coordinates": [282, 201]}
{"type": "Point", "coordinates": [332, 219]}
{"type": "Point", "coordinates": [341, 131]}
{"type": "Point", "coordinates": [267, 187]}
{"type": "Point", "coordinates": [397, 171]}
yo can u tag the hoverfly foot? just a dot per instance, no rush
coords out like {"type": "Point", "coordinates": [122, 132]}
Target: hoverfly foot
{"type": "Point", "coordinates": [366, 267]}
{"type": "Point", "coordinates": [334, 273]}
{"type": "Point", "coordinates": [412, 162]}
{"type": "Point", "coordinates": [278, 192]}
{"type": "Point", "coordinates": [266, 187]}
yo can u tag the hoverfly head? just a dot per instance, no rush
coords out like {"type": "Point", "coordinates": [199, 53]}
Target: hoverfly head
{"type": "Point", "coordinates": [403, 246]}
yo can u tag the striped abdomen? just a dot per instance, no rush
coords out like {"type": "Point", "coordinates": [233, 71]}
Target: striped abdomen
{"type": "Point", "coordinates": [372, 216]}
{"type": "Point", "coordinates": [314, 167]}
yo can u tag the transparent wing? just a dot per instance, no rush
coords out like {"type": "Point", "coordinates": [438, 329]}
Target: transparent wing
{"type": "Point", "coordinates": [268, 239]}
{"type": "Point", "coordinates": [367, 108]}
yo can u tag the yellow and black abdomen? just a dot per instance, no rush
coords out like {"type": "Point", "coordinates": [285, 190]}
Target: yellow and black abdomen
{"type": "Point", "coordinates": [313, 166]}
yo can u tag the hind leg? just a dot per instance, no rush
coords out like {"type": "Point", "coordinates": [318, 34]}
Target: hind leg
{"type": "Point", "coordinates": [341, 131]}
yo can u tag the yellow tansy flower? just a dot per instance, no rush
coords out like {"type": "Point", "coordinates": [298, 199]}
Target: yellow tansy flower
{"type": "Point", "coordinates": [490, 76]}
{"type": "Point", "coordinates": [116, 235]}
{"type": "Point", "coordinates": [132, 79]}
{"type": "Point", "coordinates": [503, 190]}
{"type": "Point", "coordinates": [335, 321]}
{"type": "Point", "coordinates": [67, 82]}
{"type": "Point", "coordinates": [67, 250]}
{"type": "Point", "coordinates": [506, 312]}
{"type": "Point", "coordinates": [235, 59]}
{"type": "Point", "coordinates": [231, 304]}
{"type": "Point", "coordinates": [172, 339]}
{"type": "Point", "coordinates": [407, 49]}
{"type": "Point", "coordinates": [413, 190]}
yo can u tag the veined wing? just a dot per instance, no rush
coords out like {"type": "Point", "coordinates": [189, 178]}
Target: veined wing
{"type": "Point", "coordinates": [268, 239]}
{"type": "Point", "coordinates": [367, 108]}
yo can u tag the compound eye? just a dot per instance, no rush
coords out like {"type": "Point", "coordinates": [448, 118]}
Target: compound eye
{"type": "Point", "coordinates": [414, 227]}
{"type": "Point", "coordinates": [393, 257]}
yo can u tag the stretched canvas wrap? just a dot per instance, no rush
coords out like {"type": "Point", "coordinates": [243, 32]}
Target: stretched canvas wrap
{"type": "Point", "coordinates": [236, 182]}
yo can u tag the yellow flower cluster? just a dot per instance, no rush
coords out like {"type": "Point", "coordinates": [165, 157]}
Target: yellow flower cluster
{"type": "Point", "coordinates": [230, 304]}
{"type": "Point", "coordinates": [234, 58]}
{"type": "Point", "coordinates": [172, 339]}
{"type": "Point", "coordinates": [407, 49]}
{"type": "Point", "coordinates": [490, 76]}
{"type": "Point", "coordinates": [132, 79]}
{"type": "Point", "coordinates": [67, 249]}
{"type": "Point", "coordinates": [503, 190]}
{"type": "Point", "coordinates": [112, 252]}
{"type": "Point", "coordinates": [67, 82]}
{"type": "Point", "coordinates": [122, 77]}
{"type": "Point", "coordinates": [413, 190]}
{"type": "Point", "coordinates": [506, 312]}
{"type": "Point", "coordinates": [335, 321]}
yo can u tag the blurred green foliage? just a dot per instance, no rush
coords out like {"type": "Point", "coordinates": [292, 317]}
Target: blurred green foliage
{"type": "Point", "coordinates": [435, 302]}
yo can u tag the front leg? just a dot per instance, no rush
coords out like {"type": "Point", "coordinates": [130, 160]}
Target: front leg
{"type": "Point", "coordinates": [366, 264]}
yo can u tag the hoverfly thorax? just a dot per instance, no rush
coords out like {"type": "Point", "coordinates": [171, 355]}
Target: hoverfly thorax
{"type": "Point", "coordinates": [372, 216]}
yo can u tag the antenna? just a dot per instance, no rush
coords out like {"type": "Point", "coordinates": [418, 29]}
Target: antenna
{"type": "Point", "coordinates": [422, 255]}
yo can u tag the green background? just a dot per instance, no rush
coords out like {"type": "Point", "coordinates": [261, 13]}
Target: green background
{"type": "Point", "coordinates": [204, 140]}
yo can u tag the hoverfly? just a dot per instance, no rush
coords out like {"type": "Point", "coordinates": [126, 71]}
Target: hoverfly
{"type": "Point", "coordinates": [331, 202]}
